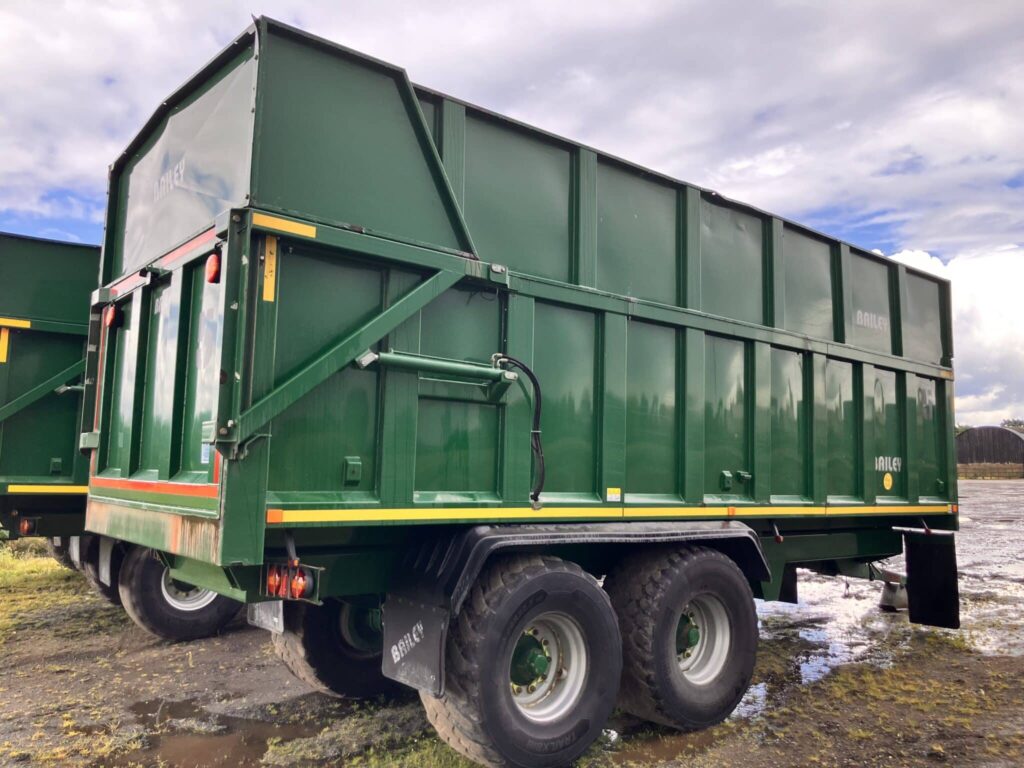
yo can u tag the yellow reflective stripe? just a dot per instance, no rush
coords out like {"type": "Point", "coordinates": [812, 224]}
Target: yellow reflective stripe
{"type": "Point", "coordinates": [283, 225]}
{"type": "Point", "coordinates": [12, 322]}
{"type": "Point", "coordinates": [428, 514]}
{"type": "Point", "coordinates": [5, 340]}
{"type": "Point", "coordinates": [47, 488]}
{"type": "Point", "coordinates": [277, 516]}
{"type": "Point", "coordinates": [270, 269]}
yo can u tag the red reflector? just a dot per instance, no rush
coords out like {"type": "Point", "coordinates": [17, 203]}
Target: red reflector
{"type": "Point", "coordinates": [273, 580]}
{"type": "Point", "coordinates": [110, 316]}
{"type": "Point", "coordinates": [27, 527]}
{"type": "Point", "coordinates": [301, 584]}
{"type": "Point", "coordinates": [213, 268]}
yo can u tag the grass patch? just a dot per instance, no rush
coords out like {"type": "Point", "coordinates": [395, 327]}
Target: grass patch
{"type": "Point", "coordinates": [32, 584]}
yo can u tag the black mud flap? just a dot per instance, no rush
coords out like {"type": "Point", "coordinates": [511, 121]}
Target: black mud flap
{"type": "Point", "coordinates": [933, 593]}
{"type": "Point", "coordinates": [414, 640]}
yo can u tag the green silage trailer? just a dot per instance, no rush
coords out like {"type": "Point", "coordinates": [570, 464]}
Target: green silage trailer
{"type": "Point", "coordinates": [44, 314]}
{"type": "Point", "coordinates": [44, 319]}
{"type": "Point", "coordinates": [456, 403]}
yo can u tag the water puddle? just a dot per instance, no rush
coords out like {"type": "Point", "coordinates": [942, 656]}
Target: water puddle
{"type": "Point", "coordinates": [183, 734]}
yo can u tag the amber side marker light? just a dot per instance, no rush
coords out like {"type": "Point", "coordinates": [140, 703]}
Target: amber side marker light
{"type": "Point", "coordinates": [213, 268]}
{"type": "Point", "coordinates": [110, 316]}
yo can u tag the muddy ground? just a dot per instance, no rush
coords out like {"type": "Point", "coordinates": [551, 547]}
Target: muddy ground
{"type": "Point", "coordinates": [837, 684]}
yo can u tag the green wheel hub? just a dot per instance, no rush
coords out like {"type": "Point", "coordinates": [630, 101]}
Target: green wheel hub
{"type": "Point", "coordinates": [687, 635]}
{"type": "Point", "coordinates": [547, 668]}
{"type": "Point", "coordinates": [530, 661]}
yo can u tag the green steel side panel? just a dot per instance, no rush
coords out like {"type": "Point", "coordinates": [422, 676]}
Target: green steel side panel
{"type": "Point", "coordinates": [517, 459]}
{"type": "Point", "coordinates": [457, 448]}
{"type": "Point", "coordinates": [636, 235]}
{"type": "Point", "coordinates": [611, 402]}
{"type": "Point", "coordinates": [652, 423]}
{"type": "Point", "coordinates": [585, 218]}
{"type": "Point", "coordinates": [193, 165]}
{"type": "Point", "coordinates": [338, 419]}
{"type": "Point", "coordinates": [38, 442]}
{"type": "Point", "coordinates": [726, 418]}
{"type": "Point", "coordinates": [888, 435]}
{"type": "Point", "coordinates": [922, 320]}
{"type": "Point", "coordinates": [206, 326]}
{"type": "Point", "coordinates": [451, 142]}
{"type": "Point", "coordinates": [518, 197]}
{"type": "Point", "coordinates": [931, 475]}
{"type": "Point", "coordinates": [123, 344]}
{"type": "Point", "coordinates": [430, 115]}
{"type": "Point", "coordinates": [843, 430]}
{"type": "Point", "coordinates": [399, 403]}
{"type": "Point", "coordinates": [158, 388]}
{"type": "Point", "coordinates": [462, 324]}
{"type": "Point", "coordinates": [694, 354]}
{"type": "Point", "coordinates": [871, 296]}
{"type": "Point", "coordinates": [789, 425]}
{"type": "Point", "coordinates": [732, 262]}
{"type": "Point", "coordinates": [565, 360]}
{"type": "Point", "coordinates": [310, 278]}
{"type": "Point", "coordinates": [808, 285]}
{"type": "Point", "coordinates": [46, 280]}
{"type": "Point", "coordinates": [315, 438]}
{"type": "Point", "coordinates": [342, 141]}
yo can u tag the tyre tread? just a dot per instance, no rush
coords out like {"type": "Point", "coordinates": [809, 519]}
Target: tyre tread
{"type": "Point", "coordinates": [636, 588]}
{"type": "Point", "coordinates": [455, 715]}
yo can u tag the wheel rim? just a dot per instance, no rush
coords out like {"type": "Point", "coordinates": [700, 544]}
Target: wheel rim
{"type": "Point", "coordinates": [361, 629]}
{"type": "Point", "coordinates": [703, 636]}
{"type": "Point", "coordinates": [548, 667]}
{"type": "Point", "coordinates": [184, 597]}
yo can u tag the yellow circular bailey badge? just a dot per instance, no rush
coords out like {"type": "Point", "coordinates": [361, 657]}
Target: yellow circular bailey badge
{"type": "Point", "coordinates": [887, 481]}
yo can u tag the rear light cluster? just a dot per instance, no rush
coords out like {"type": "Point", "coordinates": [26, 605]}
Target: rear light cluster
{"type": "Point", "coordinates": [292, 582]}
{"type": "Point", "coordinates": [27, 526]}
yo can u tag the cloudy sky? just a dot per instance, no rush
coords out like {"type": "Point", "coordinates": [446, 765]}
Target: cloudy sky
{"type": "Point", "coordinates": [896, 126]}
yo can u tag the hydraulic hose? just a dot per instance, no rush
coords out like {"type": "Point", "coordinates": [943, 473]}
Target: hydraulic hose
{"type": "Point", "coordinates": [535, 442]}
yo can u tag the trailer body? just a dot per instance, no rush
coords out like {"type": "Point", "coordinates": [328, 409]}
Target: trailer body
{"type": "Point", "coordinates": [44, 314]}
{"type": "Point", "coordinates": [315, 276]}
{"type": "Point", "coordinates": [334, 306]}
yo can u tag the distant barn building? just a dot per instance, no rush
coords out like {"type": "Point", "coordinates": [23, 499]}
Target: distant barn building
{"type": "Point", "coordinates": [991, 452]}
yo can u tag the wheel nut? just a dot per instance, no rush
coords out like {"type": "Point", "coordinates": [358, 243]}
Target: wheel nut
{"type": "Point", "coordinates": [532, 688]}
{"type": "Point", "coordinates": [516, 689]}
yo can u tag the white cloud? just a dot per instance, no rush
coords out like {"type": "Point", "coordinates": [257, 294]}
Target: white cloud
{"type": "Point", "coordinates": [905, 118]}
{"type": "Point", "coordinates": [988, 333]}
